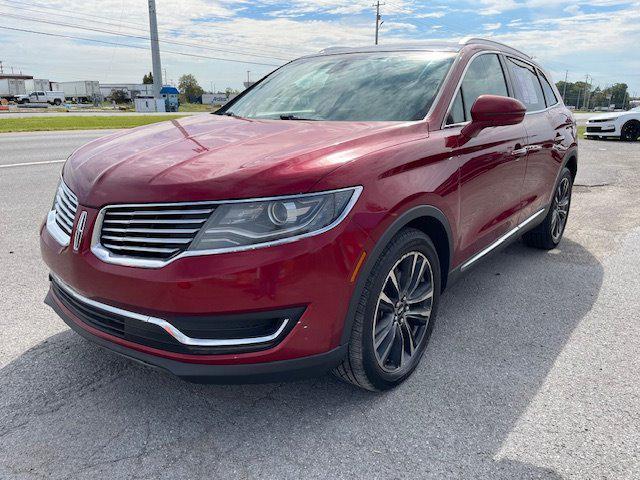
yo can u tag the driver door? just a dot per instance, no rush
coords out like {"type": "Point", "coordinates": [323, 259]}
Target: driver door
{"type": "Point", "coordinates": [491, 165]}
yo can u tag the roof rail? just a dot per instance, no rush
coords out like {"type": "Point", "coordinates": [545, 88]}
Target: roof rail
{"type": "Point", "coordinates": [486, 41]}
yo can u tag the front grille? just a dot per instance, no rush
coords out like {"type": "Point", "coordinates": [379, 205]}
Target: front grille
{"type": "Point", "coordinates": [237, 326]}
{"type": "Point", "coordinates": [65, 207]}
{"type": "Point", "coordinates": [152, 231]}
{"type": "Point", "coordinates": [594, 129]}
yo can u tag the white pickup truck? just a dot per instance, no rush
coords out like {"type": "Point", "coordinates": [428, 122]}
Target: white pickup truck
{"type": "Point", "coordinates": [54, 98]}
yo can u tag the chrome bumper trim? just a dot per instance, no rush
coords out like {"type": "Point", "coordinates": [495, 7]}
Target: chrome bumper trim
{"type": "Point", "coordinates": [170, 329]}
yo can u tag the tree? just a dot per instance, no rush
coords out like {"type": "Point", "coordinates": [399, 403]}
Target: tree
{"type": "Point", "coordinates": [118, 96]}
{"type": "Point", "coordinates": [231, 91]}
{"type": "Point", "coordinates": [148, 79]}
{"type": "Point", "coordinates": [190, 88]}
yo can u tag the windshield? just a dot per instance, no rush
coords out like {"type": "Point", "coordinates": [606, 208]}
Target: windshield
{"type": "Point", "coordinates": [398, 86]}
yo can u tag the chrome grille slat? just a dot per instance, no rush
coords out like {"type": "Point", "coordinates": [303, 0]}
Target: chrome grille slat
{"type": "Point", "coordinates": [136, 221]}
{"type": "Point", "coordinates": [64, 209]}
{"type": "Point", "coordinates": [154, 232]}
{"type": "Point", "coordinates": [163, 212]}
{"type": "Point", "coordinates": [138, 240]}
{"type": "Point", "coordinates": [67, 201]}
{"type": "Point", "coordinates": [139, 249]}
{"type": "Point", "coordinates": [151, 230]}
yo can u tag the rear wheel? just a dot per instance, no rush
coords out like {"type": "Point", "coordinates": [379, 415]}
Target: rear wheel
{"type": "Point", "coordinates": [395, 314]}
{"type": "Point", "coordinates": [57, 101]}
{"type": "Point", "coordinates": [630, 131]}
{"type": "Point", "coordinates": [548, 234]}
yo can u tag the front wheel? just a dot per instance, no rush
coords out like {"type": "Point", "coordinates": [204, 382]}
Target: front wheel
{"type": "Point", "coordinates": [630, 131]}
{"type": "Point", "coordinates": [395, 314]}
{"type": "Point", "coordinates": [548, 234]}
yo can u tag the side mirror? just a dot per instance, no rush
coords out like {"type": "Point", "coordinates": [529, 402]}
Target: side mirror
{"type": "Point", "coordinates": [492, 111]}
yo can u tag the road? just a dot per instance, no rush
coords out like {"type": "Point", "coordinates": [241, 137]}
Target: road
{"type": "Point", "coordinates": [41, 147]}
{"type": "Point", "coordinates": [532, 370]}
{"type": "Point", "coordinates": [75, 113]}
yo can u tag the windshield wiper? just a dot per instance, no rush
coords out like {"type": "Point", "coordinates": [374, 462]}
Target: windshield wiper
{"type": "Point", "coordinates": [293, 117]}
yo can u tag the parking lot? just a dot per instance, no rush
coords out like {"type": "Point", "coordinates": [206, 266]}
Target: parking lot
{"type": "Point", "coordinates": [532, 370]}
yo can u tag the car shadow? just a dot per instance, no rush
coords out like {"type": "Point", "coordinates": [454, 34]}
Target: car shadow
{"type": "Point", "coordinates": [71, 410]}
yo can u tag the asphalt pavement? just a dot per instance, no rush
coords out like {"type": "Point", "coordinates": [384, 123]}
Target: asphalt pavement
{"type": "Point", "coordinates": [532, 370]}
{"type": "Point", "coordinates": [77, 113]}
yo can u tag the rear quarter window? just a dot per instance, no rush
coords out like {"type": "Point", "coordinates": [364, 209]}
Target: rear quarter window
{"type": "Point", "coordinates": [549, 94]}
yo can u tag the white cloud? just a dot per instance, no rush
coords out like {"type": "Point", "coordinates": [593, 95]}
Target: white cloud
{"type": "Point", "coordinates": [599, 42]}
{"type": "Point", "coordinates": [491, 26]}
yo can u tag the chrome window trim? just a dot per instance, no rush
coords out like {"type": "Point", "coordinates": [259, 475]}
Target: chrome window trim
{"type": "Point", "coordinates": [168, 327]}
{"type": "Point", "coordinates": [500, 240]}
{"type": "Point", "coordinates": [108, 257]}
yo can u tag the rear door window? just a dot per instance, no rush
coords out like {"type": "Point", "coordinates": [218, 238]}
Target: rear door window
{"type": "Point", "coordinates": [483, 77]}
{"type": "Point", "coordinates": [526, 84]}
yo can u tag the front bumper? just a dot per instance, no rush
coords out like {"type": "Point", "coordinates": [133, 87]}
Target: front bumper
{"type": "Point", "coordinates": [601, 129]}
{"type": "Point", "coordinates": [315, 274]}
{"type": "Point", "coordinates": [198, 373]}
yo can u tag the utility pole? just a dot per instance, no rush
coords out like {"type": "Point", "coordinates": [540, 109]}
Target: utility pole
{"type": "Point", "coordinates": [587, 89]}
{"type": "Point", "coordinates": [1, 69]}
{"type": "Point", "coordinates": [564, 90]}
{"type": "Point", "coordinates": [155, 49]}
{"type": "Point", "coordinates": [378, 18]}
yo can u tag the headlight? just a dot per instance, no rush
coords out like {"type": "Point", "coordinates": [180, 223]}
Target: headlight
{"type": "Point", "coordinates": [252, 223]}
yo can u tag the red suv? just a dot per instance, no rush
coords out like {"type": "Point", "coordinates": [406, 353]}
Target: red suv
{"type": "Point", "coordinates": [313, 222]}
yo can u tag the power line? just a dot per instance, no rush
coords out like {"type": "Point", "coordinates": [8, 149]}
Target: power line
{"type": "Point", "coordinates": [105, 42]}
{"type": "Point", "coordinates": [136, 26]}
{"type": "Point", "coordinates": [140, 37]}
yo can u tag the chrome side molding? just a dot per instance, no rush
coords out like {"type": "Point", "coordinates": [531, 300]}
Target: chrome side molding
{"type": "Point", "coordinates": [500, 240]}
{"type": "Point", "coordinates": [167, 327]}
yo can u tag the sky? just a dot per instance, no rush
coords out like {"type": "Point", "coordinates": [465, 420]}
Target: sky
{"type": "Point", "coordinates": [600, 38]}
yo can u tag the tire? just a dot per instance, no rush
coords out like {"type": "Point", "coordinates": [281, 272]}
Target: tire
{"type": "Point", "coordinates": [548, 234]}
{"type": "Point", "coordinates": [57, 102]}
{"type": "Point", "coordinates": [365, 365]}
{"type": "Point", "coordinates": [630, 131]}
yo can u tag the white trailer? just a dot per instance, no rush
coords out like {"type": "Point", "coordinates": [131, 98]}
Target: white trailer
{"type": "Point", "coordinates": [82, 91]}
{"type": "Point", "coordinates": [37, 85]}
{"type": "Point", "coordinates": [131, 90]}
{"type": "Point", "coordinates": [11, 87]}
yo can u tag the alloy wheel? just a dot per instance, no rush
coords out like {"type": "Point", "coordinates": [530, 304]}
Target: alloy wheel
{"type": "Point", "coordinates": [403, 312]}
{"type": "Point", "coordinates": [560, 209]}
{"type": "Point", "coordinates": [631, 131]}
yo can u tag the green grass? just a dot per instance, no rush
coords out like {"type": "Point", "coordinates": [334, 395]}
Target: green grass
{"type": "Point", "coordinates": [581, 131]}
{"type": "Point", "coordinates": [196, 107]}
{"type": "Point", "coordinates": [62, 122]}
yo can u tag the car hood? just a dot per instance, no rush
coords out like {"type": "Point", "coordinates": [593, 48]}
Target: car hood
{"type": "Point", "coordinates": [213, 157]}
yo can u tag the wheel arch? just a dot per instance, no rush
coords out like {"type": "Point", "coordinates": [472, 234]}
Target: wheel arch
{"type": "Point", "coordinates": [572, 164]}
{"type": "Point", "coordinates": [426, 218]}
